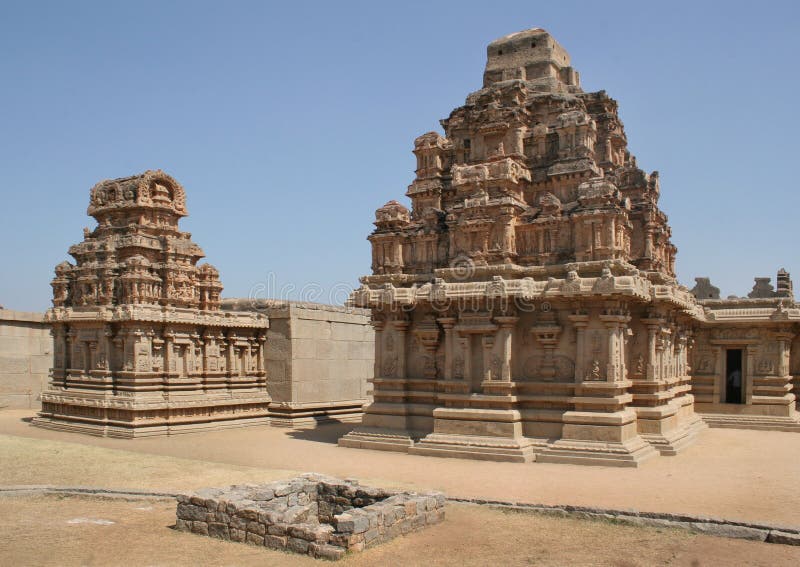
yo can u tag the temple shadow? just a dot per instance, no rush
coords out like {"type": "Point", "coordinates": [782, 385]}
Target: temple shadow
{"type": "Point", "coordinates": [325, 431]}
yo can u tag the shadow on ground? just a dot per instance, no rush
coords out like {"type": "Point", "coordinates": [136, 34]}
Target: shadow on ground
{"type": "Point", "coordinates": [327, 431]}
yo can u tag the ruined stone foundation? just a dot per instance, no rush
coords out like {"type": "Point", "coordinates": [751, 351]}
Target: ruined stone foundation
{"type": "Point", "coordinates": [140, 345]}
{"type": "Point", "coordinates": [312, 514]}
{"type": "Point", "coordinates": [525, 307]}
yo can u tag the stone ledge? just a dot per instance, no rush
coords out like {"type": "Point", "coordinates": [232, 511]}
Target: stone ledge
{"type": "Point", "coordinates": [23, 316]}
{"type": "Point", "coordinates": [718, 527]}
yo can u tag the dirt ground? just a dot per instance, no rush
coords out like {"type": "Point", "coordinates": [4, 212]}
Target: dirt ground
{"type": "Point", "coordinates": [734, 474]}
{"type": "Point", "coordinates": [53, 530]}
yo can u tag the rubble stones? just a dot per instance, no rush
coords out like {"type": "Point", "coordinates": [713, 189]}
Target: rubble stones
{"type": "Point", "coordinates": [329, 518]}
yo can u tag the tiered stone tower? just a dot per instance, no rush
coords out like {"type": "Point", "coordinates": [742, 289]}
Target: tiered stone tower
{"type": "Point", "coordinates": [141, 347]}
{"type": "Point", "coordinates": [526, 306]}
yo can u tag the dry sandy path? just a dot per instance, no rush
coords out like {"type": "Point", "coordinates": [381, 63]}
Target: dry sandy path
{"type": "Point", "coordinates": [735, 474]}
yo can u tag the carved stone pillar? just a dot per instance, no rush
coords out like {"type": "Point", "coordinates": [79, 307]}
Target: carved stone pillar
{"type": "Point", "coordinates": [108, 347]}
{"type": "Point", "coordinates": [73, 349]}
{"type": "Point", "coordinates": [378, 325]}
{"type": "Point", "coordinates": [488, 345]}
{"type": "Point", "coordinates": [169, 362]}
{"type": "Point", "coordinates": [653, 327]}
{"type": "Point", "coordinates": [262, 341]}
{"type": "Point", "coordinates": [581, 321]}
{"type": "Point", "coordinates": [611, 234]}
{"type": "Point", "coordinates": [615, 321]}
{"type": "Point", "coordinates": [427, 331]}
{"type": "Point", "coordinates": [747, 373]}
{"type": "Point", "coordinates": [507, 324]}
{"type": "Point", "coordinates": [612, 372]}
{"type": "Point", "coordinates": [230, 354]}
{"type": "Point", "coordinates": [466, 353]}
{"type": "Point", "coordinates": [719, 375]}
{"type": "Point", "coordinates": [648, 240]}
{"type": "Point", "coordinates": [136, 338]}
{"type": "Point", "coordinates": [447, 324]}
{"type": "Point", "coordinates": [401, 327]}
{"type": "Point", "coordinates": [784, 346]}
{"type": "Point", "coordinates": [208, 342]}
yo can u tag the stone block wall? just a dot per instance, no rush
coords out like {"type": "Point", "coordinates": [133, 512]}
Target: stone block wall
{"type": "Point", "coordinates": [311, 514]}
{"type": "Point", "coordinates": [26, 356]}
{"type": "Point", "coordinates": [319, 360]}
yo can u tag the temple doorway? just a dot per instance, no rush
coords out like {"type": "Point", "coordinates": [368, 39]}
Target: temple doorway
{"type": "Point", "coordinates": [733, 376]}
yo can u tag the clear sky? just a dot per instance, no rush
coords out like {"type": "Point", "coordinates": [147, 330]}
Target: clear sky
{"type": "Point", "coordinates": [290, 123]}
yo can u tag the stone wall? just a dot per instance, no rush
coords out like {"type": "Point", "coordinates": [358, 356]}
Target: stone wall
{"type": "Point", "coordinates": [312, 514]}
{"type": "Point", "coordinates": [26, 355]}
{"type": "Point", "coordinates": [319, 360]}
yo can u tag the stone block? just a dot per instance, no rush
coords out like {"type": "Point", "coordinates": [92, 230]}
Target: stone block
{"type": "Point", "coordinates": [254, 539]}
{"type": "Point", "coordinates": [191, 512]}
{"type": "Point", "coordinates": [15, 364]}
{"type": "Point", "coordinates": [327, 551]}
{"type": "Point", "coordinates": [297, 545]}
{"type": "Point", "coordinates": [218, 530]}
{"type": "Point", "coordinates": [275, 541]}
{"type": "Point", "coordinates": [785, 538]}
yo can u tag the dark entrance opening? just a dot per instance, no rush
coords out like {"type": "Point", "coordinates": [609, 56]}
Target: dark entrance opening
{"type": "Point", "coordinates": [733, 376]}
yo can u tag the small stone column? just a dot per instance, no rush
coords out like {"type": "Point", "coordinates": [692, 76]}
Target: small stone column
{"type": "Point", "coordinates": [719, 376]}
{"type": "Point", "coordinates": [581, 321]}
{"type": "Point", "coordinates": [466, 352]}
{"type": "Point", "coordinates": [230, 354]}
{"type": "Point", "coordinates": [169, 337]}
{"type": "Point", "coordinates": [448, 324]}
{"type": "Point", "coordinates": [108, 347]}
{"type": "Point", "coordinates": [748, 374]}
{"type": "Point", "coordinates": [262, 341]}
{"type": "Point", "coordinates": [206, 346]}
{"type": "Point", "coordinates": [136, 337]}
{"type": "Point", "coordinates": [507, 324]}
{"type": "Point", "coordinates": [378, 325]}
{"type": "Point", "coordinates": [615, 321]}
{"type": "Point", "coordinates": [648, 240]}
{"type": "Point", "coordinates": [488, 345]}
{"type": "Point", "coordinates": [611, 368]}
{"type": "Point", "coordinates": [401, 327]}
{"type": "Point", "coordinates": [653, 326]}
{"type": "Point", "coordinates": [784, 346]}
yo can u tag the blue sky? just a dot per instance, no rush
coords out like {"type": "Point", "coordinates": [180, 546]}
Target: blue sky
{"type": "Point", "coordinates": [288, 124]}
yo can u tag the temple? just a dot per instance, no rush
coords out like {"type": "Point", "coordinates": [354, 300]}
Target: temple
{"type": "Point", "coordinates": [526, 306]}
{"type": "Point", "coordinates": [140, 345]}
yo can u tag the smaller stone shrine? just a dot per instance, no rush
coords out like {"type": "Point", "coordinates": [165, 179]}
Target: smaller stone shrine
{"type": "Point", "coordinates": [140, 345]}
{"type": "Point", "coordinates": [312, 514]}
{"type": "Point", "coordinates": [746, 357]}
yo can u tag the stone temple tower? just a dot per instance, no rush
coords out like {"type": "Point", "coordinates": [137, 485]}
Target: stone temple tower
{"type": "Point", "coordinates": [526, 306]}
{"type": "Point", "coordinates": [141, 347]}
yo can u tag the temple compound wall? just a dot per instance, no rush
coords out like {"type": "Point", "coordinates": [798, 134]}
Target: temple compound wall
{"type": "Point", "coordinates": [140, 344]}
{"type": "Point", "coordinates": [319, 360]}
{"type": "Point", "coordinates": [26, 355]}
{"type": "Point", "coordinates": [526, 306]}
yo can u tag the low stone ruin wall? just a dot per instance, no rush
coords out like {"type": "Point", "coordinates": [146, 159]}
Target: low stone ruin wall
{"type": "Point", "coordinates": [311, 514]}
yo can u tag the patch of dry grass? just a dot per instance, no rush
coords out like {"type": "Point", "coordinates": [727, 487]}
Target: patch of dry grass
{"type": "Point", "coordinates": [36, 461]}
